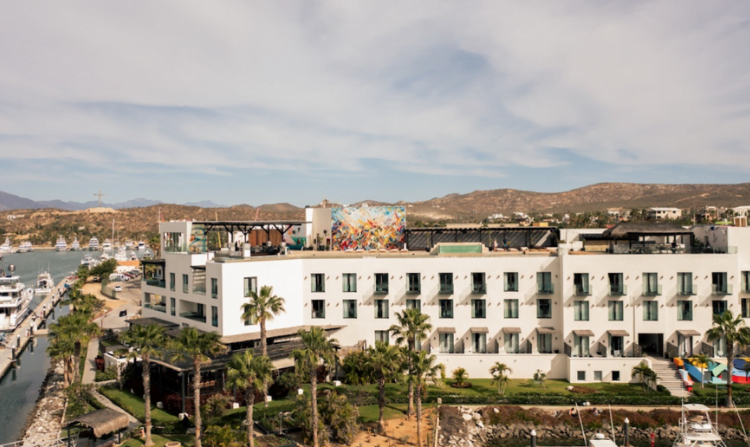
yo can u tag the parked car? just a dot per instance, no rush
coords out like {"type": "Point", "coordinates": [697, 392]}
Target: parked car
{"type": "Point", "coordinates": [118, 288]}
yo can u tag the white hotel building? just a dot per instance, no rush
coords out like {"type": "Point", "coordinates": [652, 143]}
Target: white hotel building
{"type": "Point", "coordinates": [581, 305]}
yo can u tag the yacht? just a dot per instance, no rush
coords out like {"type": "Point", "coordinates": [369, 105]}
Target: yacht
{"type": "Point", "coordinates": [696, 428]}
{"type": "Point", "coordinates": [133, 256]}
{"type": "Point", "coordinates": [61, 245]}
{"type": "Point", "coordinates": [87, 260]}
{"type": "Point", "coordinates": [121, 254]}
{"type": "Point", "coordinates": [6, 247]}
{"type": "Point", "coordinates": [75, 246]}
{"type": "Point", "coordinates": [141, 245]}
{"type": "Point", "coordinates": [14, 300]}
{"type": "Point", "coordinates": [104, 257]}
{"type": "Point", "coordinates": [25, 247]}
{"type": "Point", "coordinates": [107, 245]}
{"type": "Point", "coordinates": [44, 283]}
{"type": "Point", "coordinates": [93, 243]}
{"type": "Point", "coordinates": [128, 244]}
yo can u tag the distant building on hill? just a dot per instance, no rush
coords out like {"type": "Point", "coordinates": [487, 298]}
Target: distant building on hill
{"type": "Point", "coordinates": [664, 213]}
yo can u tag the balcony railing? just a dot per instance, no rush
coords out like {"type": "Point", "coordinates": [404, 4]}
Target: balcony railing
{"type": "Point", "coordinates": [583, 290]}
{"type": "Point", "coordinates": [193, 316]}
{"type": "Point", "coordinates": [413, 290]}
{"type": "Point", "coordinates": [687, 290]}
{"type": "Point", "coordinates": [156, 282]}
{"type": "Point", "coordinates": [445, 289]}
{"type": "Point", "coordinates": [159, 307]}
{"type": "Point", "coordinates": [546, 289]}
{"type": "Point", "coordinates": [199, 289]}
{"type": "Point", "coordinates": [721, 290]}
{"type": "Point", "coordinates": [651, 291]}
{"type": "Point", "coordinates": [618, 291]}
{"type": "Point", "coordinates": [479, 289]}
{"type": "Point", "coordinates": [381, 289]}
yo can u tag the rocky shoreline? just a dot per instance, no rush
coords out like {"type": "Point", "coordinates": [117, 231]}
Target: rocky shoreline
{"type": "Point", "coordinates": [45, 421]}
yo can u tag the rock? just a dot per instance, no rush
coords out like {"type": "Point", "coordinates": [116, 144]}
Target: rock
{"type": "Point", "coordinates": [466, 417]}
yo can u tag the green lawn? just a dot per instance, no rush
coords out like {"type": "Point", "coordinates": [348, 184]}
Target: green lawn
{"type": "Point", "coordinates": [370, 413]}
{"type": "Point", "coordinates": [134, 405]}
{"type": "Point", "coordinates": [159, 441]}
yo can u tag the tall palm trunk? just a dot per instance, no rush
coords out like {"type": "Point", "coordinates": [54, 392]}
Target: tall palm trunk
{"type": "Point", "coordinates": [264, 352]}
{"type": "Point", "coordinates": [419, 416]}
{"type": "Point", "coordinates": [197, 400]}
{"type": "Point", "coordinates": [314, 397]}
{"type": "Point", "coordinates": [381, 404]}
{"type": "Point", "coordinates": [730, 368]}
{"type": "Point", "coordinates": [147, 399]}
{"type": "Point", "coordinates": [77, 361]}
{"type": "Point", "coordinates": [250, 401]}
{"type": "Point", "coordinates": [410, 408]}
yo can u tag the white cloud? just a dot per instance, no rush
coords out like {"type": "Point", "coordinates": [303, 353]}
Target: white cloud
{"type": "Point", "coordinates": [323, 86]}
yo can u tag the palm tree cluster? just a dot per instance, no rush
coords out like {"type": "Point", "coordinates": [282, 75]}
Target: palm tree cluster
{"type": "Point", "coordinates": [645, 374]}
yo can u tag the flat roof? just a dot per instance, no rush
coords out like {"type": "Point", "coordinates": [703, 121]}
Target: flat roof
{"type": "Point", "coordinates": [250, 222]}
{"type": "Point", "coordinates": [283, 332]}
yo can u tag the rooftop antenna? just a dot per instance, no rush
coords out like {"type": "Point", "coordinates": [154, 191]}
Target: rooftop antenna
{"type": "Point", "coordinates": [100, 194]}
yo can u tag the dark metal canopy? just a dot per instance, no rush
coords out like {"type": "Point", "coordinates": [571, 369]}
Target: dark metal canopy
{"type": "Point", "coordinates": [153, 261]}
{"type": "Point", "coordinates": [247, 226]}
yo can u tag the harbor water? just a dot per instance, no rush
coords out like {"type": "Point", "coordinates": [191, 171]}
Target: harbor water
{"type": "Point", "coordinates": [19, 388]}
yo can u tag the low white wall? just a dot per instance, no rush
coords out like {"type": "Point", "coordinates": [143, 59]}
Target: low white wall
{"type": "Point", "coordinates": [606, 365]}
{"type": "Point", "coordinates": [523, 365]}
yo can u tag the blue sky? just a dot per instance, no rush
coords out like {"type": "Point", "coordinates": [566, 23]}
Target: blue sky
{"type": "Point", "coordinates": [250, 102]}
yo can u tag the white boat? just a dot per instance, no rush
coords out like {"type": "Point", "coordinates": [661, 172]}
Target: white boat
{"type": "Point", "coordinates": [61, 245]}
{"type": "Point", "coordinates": [121, 254]}
{"type": "Point", "coordinates": [141, 245]}
{"type": "Point", "coordinates": [87, 260]}
{"type": "Point", "coordinates": [93, 243]}
{"type": "Point", "coordinates": [128, 243]}
{"type": "Point", "coordinates": [6, 247]}
{"type": "Point", "coordinates": [107, 245]}
{"type": "Point", "coordinates": [44, 283]}
{"type": "Point", "coordinates": [133, 256]}
{"type": "Point", "coordinates": [696, 428]}
{"type": "Point", "coordinates": [104, 257]}
{"type": "Point", "coordinates": [600, 440]}
{"type": "Point", "coordinates": [14, 300]}
{"type": "Point", "coordinates": [75, 246]}
{"type": "Point", "coordinates": [25, 247]}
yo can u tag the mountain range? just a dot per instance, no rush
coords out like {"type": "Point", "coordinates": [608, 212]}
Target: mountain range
{"type": "Point", "coordinates": [13, 202]}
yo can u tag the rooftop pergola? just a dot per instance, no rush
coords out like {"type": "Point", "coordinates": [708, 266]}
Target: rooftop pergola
{"type": "Point", "coordinates": [638, 232]}
{"type": "Point", "coordinates": [245, 227]}
{"type": "Point", "coordinates": [514, 236]}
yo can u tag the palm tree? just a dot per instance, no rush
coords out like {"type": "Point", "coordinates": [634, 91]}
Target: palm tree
{"type": "Point", "coordinates": [424, 369]}
{"type": "Point", "coordinates": [317, 348]}
{"type": "Point", "coordinates": [249, 374]}
{"type": "Point", "coordinates": [62, 348]}
{"type": "Point", "coordinates": [702, 360]}
{"type": "Point", "coordinates": [734, 331]}
{"type": "Point", "coordinates": [384, 361]}
{"type": "Point", "coordinates": [412, 328]}
{"type": "Point", "coordinates": [643, 371]}
{"type": "Point", "coordinates": [78, 329]}
{"type": "Point", "coordinates": [263, 306]}
{"type": "Point", "coordinates": [499, 376]}
{"type": "Point", "coordinates": [149, 342]}
{"type": "Point", "coordinates": [198, 347]}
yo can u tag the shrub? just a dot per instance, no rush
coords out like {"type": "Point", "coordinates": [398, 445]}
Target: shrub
{"type": "Point", "coordinates": [460, 375]}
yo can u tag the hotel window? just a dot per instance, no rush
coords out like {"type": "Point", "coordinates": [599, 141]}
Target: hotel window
{"type": "Point", "coordinates": [580, 346]}
{"type": "Point", "coordinates": [581, 283]}
{"type": "Point", "coordinates": [478, 309]}
{"type": "Point", "coordinates": [615, 310]}
{"type": "Point", "coordinates": [581, 376]}
{"type": "Point", "coordinates": [381, 308]}
{"type": "Point", "coordinates": [719, 307]}
{"type": "Point", "coordinates": [350, 308]}
{"type": "Point", "coordinates": [184, 283]}
{"type": "Point", "coordinates": [446, 283]}
{"type": "Point", "coordinates": [719, 283]}
{"type": "Point", "coordinates": [318, 308]}
{"type": "Point", "coordinates": [318, 284]}
{"type": "Point", "coordinates": [251, 285]}
{"type": "Point", "coordinates": [745, 308]}
{"type": "Point", "coordinates": [580, 310]}
{"type": "Point", "coordinates": [381, 283]}
{"type": "Point", "coordinates": [597, 376]}
{"type": "Point", "coordinates": [684, 310]}
{"type": "Point", "coordinates": [651, 285]}
{"type": "Point", "coordinates": [383, 337]}
{"type": "Point", "coordinates": [511, 308]}
{"type": "Point", "coordinates": [685, 283]}
{"type": "Point", "coordinates": [446, 308]}
{"type": "Point", "coordinates": [745, 279]}
{"type": "Point", "coordinates": [478, 285]}
{"type": "Point", "coordinates": [511, 281]}
{"type": "Point", "coordinates": [479, 343]}
{"type": "Point", "coordinates": [171, 282]}
{"type": "Point", "coordinates": [350, 282]}
{"type": "Point", "coordinates": [413, 285]}
{"type": "Point", "coordinates": [544, 283]}
{"type": "Point", "coordinates": [650, 311]}
{"type": "Point", "coordinates": [214, 316]}
{"type": "Point", "coordinates": [615, 376]}
{"type": "Point", "coordinates": [616, 284]}
{"type": "Point", "coordinates": [544, 343]}
{"type": "Point", "coordinates": [446, 343]}
{"type": "Point", "coordinates": [544, 308]}
{"type": "Point", "coordinates": [511, 344]}
{"type": "Point", "coordinates": [414, 304]}
{"type": "Point", "coordinates": [172, 307]}
{"type": "Point", "coordinates": [214, 288]}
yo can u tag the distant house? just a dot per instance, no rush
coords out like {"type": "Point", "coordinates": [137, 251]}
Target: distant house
{"type": "Point", "coordinates": [664, 213]}
{"type": "Point", "coordinates": [741, 210]}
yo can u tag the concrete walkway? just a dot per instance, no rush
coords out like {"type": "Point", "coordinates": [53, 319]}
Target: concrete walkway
{"type": "Point", "coordinates": [89, 368]}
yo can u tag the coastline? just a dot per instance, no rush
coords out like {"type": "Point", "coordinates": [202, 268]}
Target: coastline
{"type": "Point", "coordinates": [44, 423]}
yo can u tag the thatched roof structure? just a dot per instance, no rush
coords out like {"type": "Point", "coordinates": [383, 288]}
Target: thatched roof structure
{"type": "Point", "coordinates": [103, 421]}
{"type": "Point", "coordinates": [627, 230]}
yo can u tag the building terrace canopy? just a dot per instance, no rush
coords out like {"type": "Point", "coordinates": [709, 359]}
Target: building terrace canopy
{"type": "Point", "coordinates": [246, 227]}
{"type": "Point", "coordinates": [516, 236]}
{"type": "Point", "coordinates": [635, 230]}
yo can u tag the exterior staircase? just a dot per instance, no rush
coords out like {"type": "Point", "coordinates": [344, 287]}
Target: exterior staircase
{"type": "Point", "coordinates": [669, 378]}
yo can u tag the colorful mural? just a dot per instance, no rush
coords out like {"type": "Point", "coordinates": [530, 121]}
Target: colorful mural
{"type": "Point", "coordinates": [197, 242]}
{"type": "Point", "coordinates": [368, 228]}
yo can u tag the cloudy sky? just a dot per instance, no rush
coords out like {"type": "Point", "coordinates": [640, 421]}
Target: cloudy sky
{"type": "Point", "coordinates": [261, 102]}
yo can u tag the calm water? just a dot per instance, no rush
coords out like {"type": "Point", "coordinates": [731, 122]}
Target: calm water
{"type": "Point", "coordinates": [19, 389]}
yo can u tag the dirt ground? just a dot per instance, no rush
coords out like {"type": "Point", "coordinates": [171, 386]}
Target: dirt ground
{"type": "Point", "coordinates": [95, 289]}
{"type": "Point", "coordinates": [396, 430]}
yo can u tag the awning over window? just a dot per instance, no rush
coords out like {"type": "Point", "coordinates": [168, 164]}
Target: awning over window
{"type": "Point", "coordinates": [480, 330]}
{"type": "Point", "coordinates": [618, 333]}
{"type": "Point", "coordinates": [446, 330]}
{"type": "Point", "coordinates": [511, 330]}
{"type": "Point", "coordinates": [545, 330]}
{"type": "Point", "coordinates": [689, 332]}
{"type": "Point", "coordinates": [583, 333]}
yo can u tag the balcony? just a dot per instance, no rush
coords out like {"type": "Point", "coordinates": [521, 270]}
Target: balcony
{"type": "Point", "coordinates": [156, 282]}
{"type": "Point", "coordinates": [199, 289]}
{"type": "Point", "coordinates": [687, 290]}
{"type": "Point", "coordinates": [546, 289]}
{"type": "Point", "coordinates": [194, 316]}
{"type": "Point", "coordinates": [582, 290]}
{"type": "Point", "coordinates": [413, 290]}
{"type": "Point", "coordinates": [618, 290]}
{"type": "Point", "coordinates": [381, 289]}
{"type": "Point", "coordinates": [159, 307]}
{"type": "Point", "coordinates": [446, 289]}
{"type": "Point", "coordinates": [720, 290]}
{"type": "Point", "coordinates": [651, 291]}
{"type": "Point", "coordinates": [479, 289]}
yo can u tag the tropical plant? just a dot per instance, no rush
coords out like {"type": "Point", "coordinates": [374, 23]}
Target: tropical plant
{"type": "Point", "coordinates": [221, 436]}
{"type": "Point", "coordinates": [413, 329]}
{"type": "Point", "coordinates": [78, 329]}
{"type": "Point", "coordinates": [263, 307]}
{"type": "Point", "coordinates": [149, 342]}
{"type": "Point", "coordinates": [62, 349]}
{"type": "Point", "coordinates": [643, 372]}
{"type": "Point", "coordinates": [317, 349]}
{"type": "Point", "coordinates": [701, 361]}
{"type": "Point", "coordinates": [340, 417]}
{"type": "Point", "coordinates": [460, 375]}
{"type": "Point", "coordinates": [198, 347]}
{"type": "Point", "coordinates": [385, 362]}
{"type": "Point", "coordinates": [216, 406]}
{"type": "Point", "coordinates": [249, 373]}
{"type": "Point", "coordinates": [499, 376]}
{"type": "Point", "coordinates": [733, 330]}
{"type": "Point", "coordinates": [424, 370]}
{"type": "Point", "coordinates": [355, 368]}
{"type": "Point", "coordinates": [540, 377]}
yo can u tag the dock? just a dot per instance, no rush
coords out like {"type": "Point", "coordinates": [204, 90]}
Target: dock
{"type": "Point", "coordinates": [17, 340]}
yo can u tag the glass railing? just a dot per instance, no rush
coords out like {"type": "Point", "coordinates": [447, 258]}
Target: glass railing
{"type": "Point", "coordinates": [193, 316]}
{"type": "Point", "coordinates": [651, 291]}
{"type": "Point", "coordinates": [199, 289]}
{"type": "Point", "coordinates": [381, 289]}
{"type": "Point", "coordinates": [156, 306]}
{"type": "Point", "coordinates": [582, 290]}
{"type": "Point", "coordinates": [479, 289]}
{"type": "Point", "coordinates": [687, 290]}
{"type": "Point", "coordinates": [156, 282]}
{"type": "Point", "coordinates": [413, 290]}
{"type": "Point", "coordinates": [618, 291]}
{"type": "Point", "coordinates": [446, 289]}
{"type": "Point", "coordinates": [546, 289]}
{"type": "Point", "coordinates": [721, 290]}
